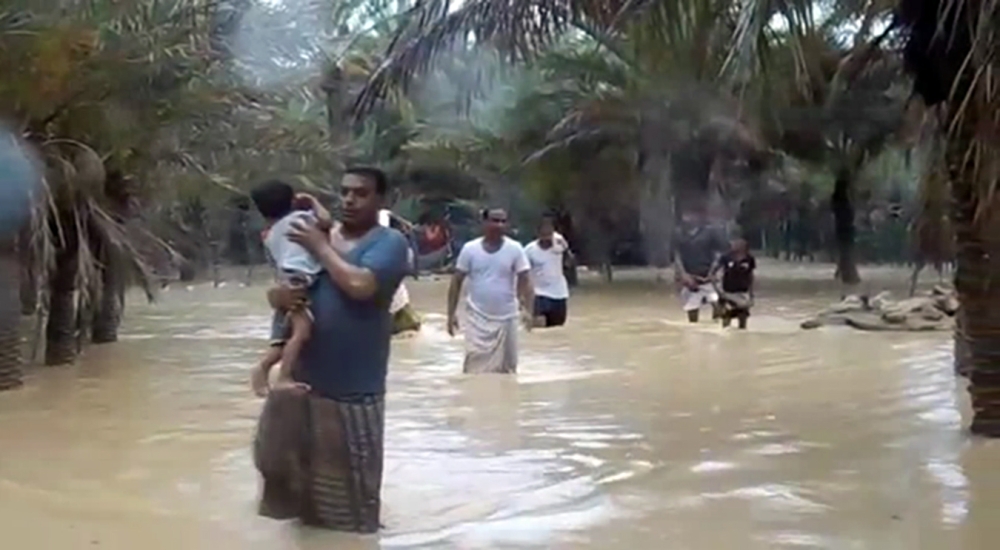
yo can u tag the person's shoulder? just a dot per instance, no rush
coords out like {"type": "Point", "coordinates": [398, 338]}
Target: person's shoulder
{"type": "Point", "coordinates": [392, 236]}
{"type": "Point", "coordinates": [512, 243]}
{"type": "Point", "coordinates": [472, 244]}
{"type": "Point", "coordinates": [391, 239]}
{"type": "Point", "coordinates": [531, 246]}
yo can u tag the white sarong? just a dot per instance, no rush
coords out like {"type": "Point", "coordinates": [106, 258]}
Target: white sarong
{"type": "Point", "coordinates": [490, 342]}
{"type": "Point", "coordinates": [694, 299]}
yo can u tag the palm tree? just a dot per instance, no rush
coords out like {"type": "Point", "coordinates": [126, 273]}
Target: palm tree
{"type": "Point", "coordinates": [80, 90]}
{"type": "Point", "coordinates": [10, 334]}
{"type": "Point", "coordinates": [951, 54]}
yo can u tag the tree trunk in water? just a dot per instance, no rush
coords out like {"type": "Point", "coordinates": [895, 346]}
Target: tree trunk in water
{"type": "Point", "coordinates": [599, 248]}
{"type": "Point", "coordinates": [843, 222]}
{"type": "Point", "coordinates": [976, 275]}
{"type": "Point", "coordinates": [187, 271]}
{"type": "Point", "coordinates": [108, 313]}
{"type": "Point", "coordinates": [961, 347]}
{"type": "Point", "coordinates": [28, 276]}
{"type": "Point", "coordinates": [10, 318]}
{"type": "Point", "coordinates": [60, 331]}
{"type": "Point", "coordinates": [656, 210]}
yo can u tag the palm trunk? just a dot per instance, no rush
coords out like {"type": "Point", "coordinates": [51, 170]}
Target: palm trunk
{"type": "Point", "coordinates": [10, 318]}
{"type": "Point", "coordinates": [60, 331]}
{"type": "Point", "coordinates": [108, 313]}
{"type": "Point", "coordinates": [976, 274]}
{"type": "Point", "coordinates": [843, 219]}
{"type": "Point", "coordinates": [656, 210]}
{"type": "Point", "coordinates": [961, 347]}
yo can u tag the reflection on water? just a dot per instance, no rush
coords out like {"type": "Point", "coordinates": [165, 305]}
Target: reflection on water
{"type": "Point", "coordinates": [627, 427]}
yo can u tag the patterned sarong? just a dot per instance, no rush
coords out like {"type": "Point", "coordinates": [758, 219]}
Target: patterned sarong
{"type": "Point", "coordinates": [321, 460]}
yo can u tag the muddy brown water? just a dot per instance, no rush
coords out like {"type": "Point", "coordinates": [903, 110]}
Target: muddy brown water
{"type": "Point", "coordinates": [627, 428]}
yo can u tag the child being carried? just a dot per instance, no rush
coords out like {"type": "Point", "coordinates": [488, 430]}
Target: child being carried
{"type": "Point", "coordinates": [281, 207]}
{"type": "Point", "coordinates": [736, 297]}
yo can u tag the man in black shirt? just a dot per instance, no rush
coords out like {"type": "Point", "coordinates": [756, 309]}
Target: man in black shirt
{"type": "Point", "coordinates": [699, 246]}
{"type": "Point", "coordinates": [736, 298]}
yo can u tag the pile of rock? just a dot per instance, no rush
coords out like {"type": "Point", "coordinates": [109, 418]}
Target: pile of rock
{"type": "Point", "coordinates": [932, 311]}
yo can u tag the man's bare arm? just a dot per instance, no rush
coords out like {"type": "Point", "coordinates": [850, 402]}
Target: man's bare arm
{"type": "Point", "coordinates": [323, 218]}
{"type": "Point", "coordinates": [525, 290]}
{"type": "Point", "coordinates": [716, 265]}
{"type": "Point", "coordinates": [357, 282]}
{"type": "Point", "coordinates": [679, 265]}
{"type": "Point", "coordinates": [454, 291]}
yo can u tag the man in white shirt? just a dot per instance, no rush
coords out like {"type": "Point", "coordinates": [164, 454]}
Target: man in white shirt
{"type": "Point", "coordinates": [547, 255]}
{"type": "Point", "coordinates": [497, 270]}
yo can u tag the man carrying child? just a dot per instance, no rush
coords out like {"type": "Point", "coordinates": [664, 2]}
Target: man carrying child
{"type": "Point", "coordinates": [319, 444]}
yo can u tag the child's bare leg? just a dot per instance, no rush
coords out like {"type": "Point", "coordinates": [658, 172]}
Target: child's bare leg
{"type": "Point", "coordinates": [258, 379]}
{"type": "Point", "coordinates": [301, 328]}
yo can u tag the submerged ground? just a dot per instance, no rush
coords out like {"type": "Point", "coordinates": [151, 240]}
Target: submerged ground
{"type": "Point", "coordinates": [628, 427]}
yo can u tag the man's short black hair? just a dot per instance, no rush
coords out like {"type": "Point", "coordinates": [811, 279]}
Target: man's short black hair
{"type": "Point", "coordinates": [376, 176]}
{"type": "Point", "coordinates": [274, 199]}
{"type": "Point", "coordinates": [487, 211]}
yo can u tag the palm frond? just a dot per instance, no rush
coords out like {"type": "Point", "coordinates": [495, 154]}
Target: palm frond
{"type": "Point", "coordinates": [518, 29]}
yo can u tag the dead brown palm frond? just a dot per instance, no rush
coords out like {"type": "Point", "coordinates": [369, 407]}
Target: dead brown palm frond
{"type": "Point", "coordinates": [42, 261]}
{"type": "Point", "coordinates": [123, 248]}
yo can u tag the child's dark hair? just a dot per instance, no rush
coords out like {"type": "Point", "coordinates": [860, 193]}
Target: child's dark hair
{"type": "Point", "coordinates": [273, 198]}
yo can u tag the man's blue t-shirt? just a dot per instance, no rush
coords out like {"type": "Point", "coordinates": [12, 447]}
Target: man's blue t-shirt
{"type": "Point", "coordinates": [347, 354]}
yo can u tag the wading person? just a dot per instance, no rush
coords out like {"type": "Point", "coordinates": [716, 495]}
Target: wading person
{"type": "Point", "coordinates": [497, 270]}
{"type": "Point", "coordinates": [547, 255]}
{"type": "Point", "coordinates": [319, 445]}
{"type": "Point", "coordinates": [736, 298]}
{"type": "Point", "coordinates": [699, 246]}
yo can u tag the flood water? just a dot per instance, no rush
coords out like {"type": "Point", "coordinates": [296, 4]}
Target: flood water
{"type": "Point", "coordinates": [627, 428]}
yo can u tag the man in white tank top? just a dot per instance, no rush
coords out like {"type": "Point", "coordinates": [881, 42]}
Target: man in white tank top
{"type": "Point", "coordinates": [499, 293]}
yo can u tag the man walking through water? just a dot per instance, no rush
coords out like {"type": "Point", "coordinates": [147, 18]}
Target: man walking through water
{"type": "Point", "coordinates": [497, 270]}
{"type": "Point", "coordinates": [547, 254]}
{"type": "Point", "coordinates": [699, 247]}
{"type": "Point", "coordinates": [319, 444]}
